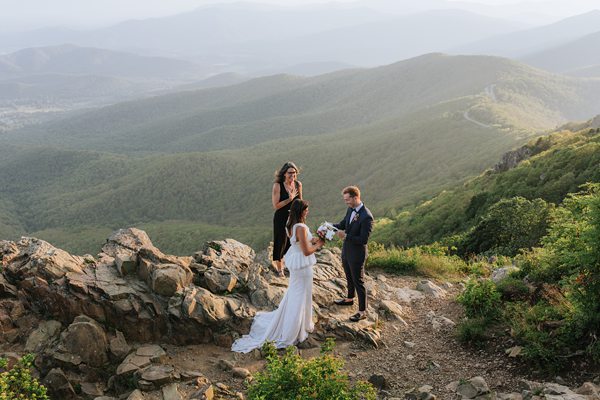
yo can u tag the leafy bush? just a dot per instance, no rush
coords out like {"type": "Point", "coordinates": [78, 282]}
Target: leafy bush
{"type": "Point", "coordinates": [513, 289]}
{"type": "Point", "coordinates": [560, 319]}
{"type": "Point", "coordinates": [508, 226]}
{"type": "Point", "coordinates": [289, 376]}
{"type": "Point", "coordinates": [17, 382]}
{"type": "Point", "coordinates": [472, 330]}
{"type": "Point", "coordinates": [431, 261]}
{"type": "Point", "coordinates": [481, 299]}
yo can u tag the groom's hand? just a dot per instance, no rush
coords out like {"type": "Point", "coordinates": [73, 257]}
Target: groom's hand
{"type": "Point", "coordinates": [341, 234]}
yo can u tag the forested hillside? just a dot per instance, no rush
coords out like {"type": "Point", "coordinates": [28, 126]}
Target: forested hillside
{"type": "Point", "coordinates": [548, 169]}
{"type": "Point", "coordinates": [203, 160]}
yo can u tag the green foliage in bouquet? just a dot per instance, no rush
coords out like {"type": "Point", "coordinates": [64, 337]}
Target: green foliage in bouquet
{"type": "Point", "coordinates": [17, 382]}
{"type": "Point", "coordinates": [289, 376]}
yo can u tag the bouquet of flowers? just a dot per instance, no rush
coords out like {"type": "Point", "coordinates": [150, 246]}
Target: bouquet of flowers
{"type": "Point", "coordinates": [326, 231]}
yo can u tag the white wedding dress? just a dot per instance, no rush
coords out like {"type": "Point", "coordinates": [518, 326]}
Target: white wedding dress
{"type": "Point", "coordinates": [291, 322]}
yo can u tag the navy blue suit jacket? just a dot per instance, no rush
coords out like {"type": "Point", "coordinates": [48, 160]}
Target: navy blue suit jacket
{"type": "Point", "coordinates": [357, 235]}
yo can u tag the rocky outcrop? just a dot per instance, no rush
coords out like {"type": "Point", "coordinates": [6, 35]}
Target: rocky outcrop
{"type": "Point", "coordinates": [149, 296]}
{"type": "Point", "coordinates": [512, 158]}
{"type": "Point", "coordinates": [477, 388]}
{"type": "Point", "coordinates": [94, 309]}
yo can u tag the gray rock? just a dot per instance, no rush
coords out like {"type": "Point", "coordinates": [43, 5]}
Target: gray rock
{"type": "Point", "coordinates": [407, 295]}
{"type": "Point", "coordinates": [136, 395]}
{"type": "Point", "coordinates": [502, 273]}
{"type": "Point", "coordinates": [379, 381]}
{"type": "Point", "coordinates": [132, 363]}
{"type": "Point", "coordinates": [153, 351]}
{"type": "Point", "coordinates": [171, 392]}
{"type": "Point", "coordinates": [510, 396]}
{"type": "Point", "coordinates": [588, 389]}
{"type": "Point", "coordinates": [431, 289]}
{"type": "Point", "coordinates": [226, 365]}
{"type": "Point", "coordinates": [167, 279]}
{"type": "Point", "coordinates": [393, 309]}
{"type": "Point", "coordinates": [86, 340]}
{"type": "Point", "coordinates": [473, 388]}
{"type": "Point", "coordinates": [158, 375]}
{"type": "Point", "coordinates": [119, 347]}
{"type": "Point", "coordinates": [59, 386]}
{"type": "Point", "coordinates": [220, 280]}
{"type": "Point", "coordinates": [43, 336]}
{"type": "Point", "coordinates": [92, 389]}
{"type": "Point", "coordinates": [242, 373]}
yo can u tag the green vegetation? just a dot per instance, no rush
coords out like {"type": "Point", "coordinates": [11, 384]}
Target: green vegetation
{"type": "Point", "coordinates": [480, 299]}
{"type": "Point", "coordinates": [289, 376]}
{"type": "Point", "coordinates": [470, 216]}
{"type": "Point", "coordinates": [17, 382]}
{"type": "Point", "coordinates": [202, 161]}
{"type": "Point", "coordinates": [430, 261]}
{"type": "Point", "coordinates": [508, 226]}
{"type": "Point", "coordinates": [555, 315]}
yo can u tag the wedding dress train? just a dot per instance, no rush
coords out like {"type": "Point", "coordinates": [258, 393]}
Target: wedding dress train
{"type": "Point", "coordinates": [291, 322]}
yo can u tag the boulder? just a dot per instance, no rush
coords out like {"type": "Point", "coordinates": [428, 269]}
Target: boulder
{"type": "Point", "coordinates": [58, 385]}
{"type": "Point", "coordinates": [473, 388]}
{"type": "Point", "coordinates": [167, 279]}
{"type": "Point", "coordinates": [220, 280]}
{"type": "Point", "coordinates": [84, 341]}
{"type": "Point", "coordinates": [158, 375]}
{"type": "Point", "coordinates": [43, 261]}
{"type": "Point", "coordinates": [502, 273]}
{"type": "Point", "coordinates": [431, 289]}
{"type": "Point", "coordinates": [171, 392]}
{"type": "Point", "coordinates": [119, 347]}
{"type": "Point", "coordinates": [393, 310]}
{"type": "Point", "coordinates": [43, 336]}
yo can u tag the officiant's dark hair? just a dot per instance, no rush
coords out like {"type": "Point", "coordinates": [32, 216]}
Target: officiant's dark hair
{"type": "Point", "coordinates": [280, 175]}
{"type": "Point", "coordinates": [296, 209]}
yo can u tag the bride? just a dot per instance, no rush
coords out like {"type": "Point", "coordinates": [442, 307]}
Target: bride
{"type": "Point", "coordinates": [291, 322]}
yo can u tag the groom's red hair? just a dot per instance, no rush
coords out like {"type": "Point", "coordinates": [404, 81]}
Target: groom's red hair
{"type": "Point", "coordinates": [353, 191]}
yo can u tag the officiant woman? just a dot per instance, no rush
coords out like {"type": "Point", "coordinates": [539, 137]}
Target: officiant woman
{"type": "Point", "coordinates": [286, 189]}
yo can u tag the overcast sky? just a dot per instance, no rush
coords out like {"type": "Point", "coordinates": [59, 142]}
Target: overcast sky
{"type": "Point", "coordinates": [28, 14]}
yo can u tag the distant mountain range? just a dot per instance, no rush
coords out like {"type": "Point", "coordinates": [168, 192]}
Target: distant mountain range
{"type": "Point", "coordinates": [580, 57]}
{"type": "Point", "coordinates": [75, 60]}
{"type": "Point", "coordinates": [251, 38]}
{"type": "Point", "coordinates": [525, 42]}
{"type": "Point", "coordinates": [203, 160]}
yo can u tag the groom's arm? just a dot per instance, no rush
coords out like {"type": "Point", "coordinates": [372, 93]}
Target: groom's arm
{"type": "Point", "coordinates": [365, 231]}
{"type": "Point", "coordinates": [341, 225]}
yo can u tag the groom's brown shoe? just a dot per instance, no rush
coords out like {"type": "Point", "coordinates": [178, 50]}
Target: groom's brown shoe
{"type": "Point", "coordinates": [343, 302]}
{"type": "Point", "coordinates": [358, 316]}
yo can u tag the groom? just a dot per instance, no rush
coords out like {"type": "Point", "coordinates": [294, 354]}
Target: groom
{"type": "Point", "coordinates": [355, 229]}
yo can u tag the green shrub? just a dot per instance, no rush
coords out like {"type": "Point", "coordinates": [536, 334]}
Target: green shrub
{"type": "Point", "coordinates": [513, 289]}
{"type": "Point", "coordinates": [480, 299]}
{"type": "Point", "coordinates": [508, 226]}
{"type": "Point", "coordinates": [431, 261]}
{"type": "Point", "coordinates": [472, 330]}
{"type": "Point", "coordinates": [17, 382]}
{"type": "Point", "coordinates": [289, 376]}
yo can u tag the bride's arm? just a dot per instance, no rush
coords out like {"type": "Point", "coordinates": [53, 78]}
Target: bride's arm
{"type": "Point", "coordinates": [307, 247]}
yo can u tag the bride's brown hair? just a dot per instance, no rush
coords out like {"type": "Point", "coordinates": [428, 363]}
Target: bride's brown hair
{"type": "Point", "coordinates": [296, 209]}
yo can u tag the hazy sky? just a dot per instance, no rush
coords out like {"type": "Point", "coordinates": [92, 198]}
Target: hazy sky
{"type": "Point", "coordinates": [27, 14]}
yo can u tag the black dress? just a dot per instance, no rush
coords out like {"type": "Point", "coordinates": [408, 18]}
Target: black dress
{"type": "Point", "coordinates": [281, 242]}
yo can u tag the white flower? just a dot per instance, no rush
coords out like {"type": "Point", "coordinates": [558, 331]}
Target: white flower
{"type": "Point", "coordinates": [327, 230]}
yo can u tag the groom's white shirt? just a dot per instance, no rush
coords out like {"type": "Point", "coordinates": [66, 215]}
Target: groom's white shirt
{"type": "Point", "coordinates": [354, 212]}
